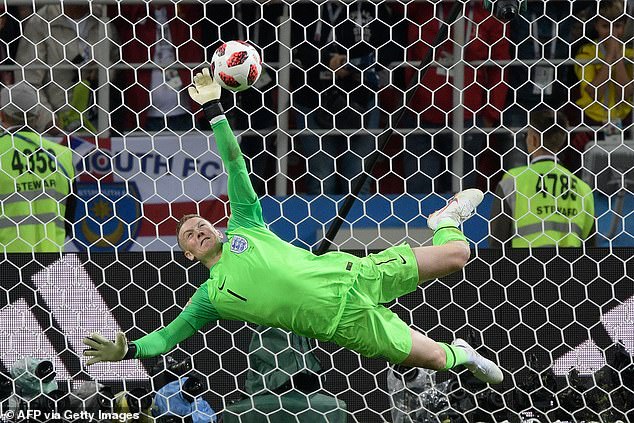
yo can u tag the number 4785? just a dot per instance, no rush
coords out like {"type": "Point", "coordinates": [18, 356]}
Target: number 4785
{"type": "Point", "coordinates": [558, 185]}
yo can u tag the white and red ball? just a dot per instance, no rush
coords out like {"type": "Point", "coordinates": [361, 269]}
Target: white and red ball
{"type": "Point", "coordinates": [236, 65]}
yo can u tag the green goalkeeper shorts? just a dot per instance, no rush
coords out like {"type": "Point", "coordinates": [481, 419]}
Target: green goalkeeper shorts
{"type": "Point", "coordinates": [368, 327]}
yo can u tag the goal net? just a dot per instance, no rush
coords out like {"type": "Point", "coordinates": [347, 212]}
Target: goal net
{"type": "Point", "coordinates": [367, 116]}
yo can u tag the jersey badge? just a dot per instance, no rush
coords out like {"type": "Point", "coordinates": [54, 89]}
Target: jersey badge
{"type": "Point", "coordinates": [239, 244]}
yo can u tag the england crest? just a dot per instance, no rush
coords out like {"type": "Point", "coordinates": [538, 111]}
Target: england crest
{"type": "Point", "coordinates": [239, 244]}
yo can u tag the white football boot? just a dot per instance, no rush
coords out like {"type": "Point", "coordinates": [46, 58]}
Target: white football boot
{"type": "Point", "coordinates": [459, 208]}
{"type": "Point", "coordinates": [482, 368]}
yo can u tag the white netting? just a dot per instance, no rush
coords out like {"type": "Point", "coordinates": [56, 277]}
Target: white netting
{"type": "Point", "coordinates": [110, 81]}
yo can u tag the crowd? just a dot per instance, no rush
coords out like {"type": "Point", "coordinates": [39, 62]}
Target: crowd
{"type": "Point", "coordinates": [348, 75]}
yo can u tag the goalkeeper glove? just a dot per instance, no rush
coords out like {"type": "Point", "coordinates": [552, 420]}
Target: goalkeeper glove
{"type": "Point", "coordinates": [102, 349]}
{"type": "Point", "coordinates": [206, 92]}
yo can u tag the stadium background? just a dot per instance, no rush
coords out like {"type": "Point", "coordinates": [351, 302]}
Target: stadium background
{"type": "Point", "coordinates": [565, 307]}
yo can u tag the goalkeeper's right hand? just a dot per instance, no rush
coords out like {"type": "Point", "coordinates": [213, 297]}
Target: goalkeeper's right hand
{"type": "Point", "coordinates": [205, 89]}
{"type": "Point", "coordinates": [102, 349]}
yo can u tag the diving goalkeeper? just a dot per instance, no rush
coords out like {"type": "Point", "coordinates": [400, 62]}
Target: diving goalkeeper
{"type": "Point", "coordinates": [257, 277]}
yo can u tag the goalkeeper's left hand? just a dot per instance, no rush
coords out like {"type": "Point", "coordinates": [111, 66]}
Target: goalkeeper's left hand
{"type": "Point", "coordinates": [102, 349]}
{"type": "Point", "coordinates": [205, 89]}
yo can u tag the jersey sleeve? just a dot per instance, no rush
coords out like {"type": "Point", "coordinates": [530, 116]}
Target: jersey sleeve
{"type": "Point", "coordinates": [195, 315]}
{"type": "Point", "coordinates": [163, 340]}
{"type": "Point", "coordinates": [246, 210]}
{"type": "Point", "coordinates": [200, 311]}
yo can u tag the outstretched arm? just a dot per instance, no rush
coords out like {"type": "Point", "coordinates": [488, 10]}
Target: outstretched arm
{"type": "Point", "coordinates": [198, 312]}
{"type": "Point", "coordinates": [195, 315]}
{"type": "Point", "coordinates": [245, 206]}
{"type": "Point", "coordinates": [239, 187]}
{"type": "Point", "coordinates": [151, 345]}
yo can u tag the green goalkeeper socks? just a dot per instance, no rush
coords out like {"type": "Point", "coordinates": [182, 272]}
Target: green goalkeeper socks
{"type": "Point", "coordinates": [455, 355]}
{"type": "Point", "coordinates": [448, 231]}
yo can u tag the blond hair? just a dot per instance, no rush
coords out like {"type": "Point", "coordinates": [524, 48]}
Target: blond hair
{"type": "Point", "coordinates": [180, 224]}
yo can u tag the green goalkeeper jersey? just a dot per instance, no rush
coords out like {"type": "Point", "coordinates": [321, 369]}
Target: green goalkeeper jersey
{"type": "Point", "coordinates": [260, 278]}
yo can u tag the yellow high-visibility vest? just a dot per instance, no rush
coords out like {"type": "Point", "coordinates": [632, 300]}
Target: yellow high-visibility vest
{"type": "Point", "coordinates": [36, 176]}
{"type": "Point", "coordinates": [549, 205]}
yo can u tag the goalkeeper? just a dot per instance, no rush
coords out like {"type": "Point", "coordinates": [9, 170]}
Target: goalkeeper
{"type": "Point", "coordinates": [256, 277]}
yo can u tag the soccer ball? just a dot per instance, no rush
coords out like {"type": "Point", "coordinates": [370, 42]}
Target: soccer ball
{"type": "Point", "coordinates": [236, 65]}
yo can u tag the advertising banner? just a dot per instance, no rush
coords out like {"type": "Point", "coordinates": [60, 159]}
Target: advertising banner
{"type": "Point", "coordinates": [133, 190]}
{"type": "Point", "coordinates": [565, 313]}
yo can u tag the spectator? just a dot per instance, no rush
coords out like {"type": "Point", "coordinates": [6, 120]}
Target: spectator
{"type": "Point", "coordinates": [583, 11]}
{"type": "Point", "coordinates": [10, 18]}
{"type": "Point", "coordinates": [542, 204]}
{"type": "Point", "coordinates": [6, 77]}
{"type": "Point", "coordinates": [629, 27]}
{"type": "Point", "coordinates": [483, 95]}
{"type": "Point", "coordinates": [542, 34]}
{"type": "Point", "coordinates": [64, 38]}
{"type": "Point", "coordinates": [606, 72]}
{"type": "Point", "coordinates": [340, 88]}
{"type": "Point", "coordinates": [35, 178]}
{"type": "Point", "coordinates": [168, 37]}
